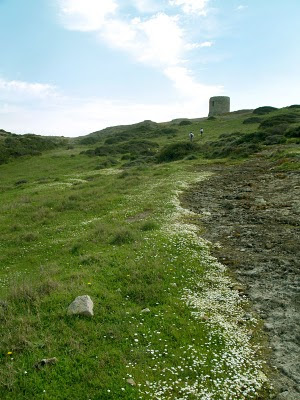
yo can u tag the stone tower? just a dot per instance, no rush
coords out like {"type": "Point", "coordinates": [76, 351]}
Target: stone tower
{"type": "Point", "coordinates": [219, 105]}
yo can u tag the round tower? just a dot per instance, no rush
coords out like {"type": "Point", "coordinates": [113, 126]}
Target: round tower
{"type": "Point", "coordinates": [219, 105]}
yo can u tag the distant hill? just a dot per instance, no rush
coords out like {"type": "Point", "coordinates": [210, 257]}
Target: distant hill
{"type": "Point", "coordinates": [235, 135]}
{"type": "Point", "coordinates": [138, 128]}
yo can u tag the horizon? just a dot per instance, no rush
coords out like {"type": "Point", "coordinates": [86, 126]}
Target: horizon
{"type": "Point", "coordinates": [131, 124]}
{"type": "Point", "coordinates": [73, 67]}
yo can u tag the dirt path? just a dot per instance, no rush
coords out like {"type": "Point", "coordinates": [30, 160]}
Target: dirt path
{"type": "Point", "coordinates": [254, 213]}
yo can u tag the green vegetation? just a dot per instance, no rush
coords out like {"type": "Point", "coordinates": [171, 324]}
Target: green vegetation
{"type": "Point", "coordinates": [185, 122]}
{"type": "Point", "coordinates": [176, 151]}
{"type": "Point", "coordinates": [252, 120]}
{"type": "Point", "coordinates": [103, 218]}
{"type": "Point", "coordinates": [287, 118]}
{"type": "Point", "coordinates": [13, 146]}
{"type": "Point", "coordinates": [264, 110]}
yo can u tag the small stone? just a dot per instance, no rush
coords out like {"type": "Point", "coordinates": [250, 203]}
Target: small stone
{"type": "Point", "coordinates": [173, 284]}
{"type": "Point", "coordinates": [82, 305]}
{"type": "Point", "coordinates": [268, 245]}
{"type": "Point", "coordinates": [145, 310]}
{"type": "Point", "coordinates": [204, 318]}
{"type": "Point", "coordinates": [268, 326]}
{"type": "Point", "coordinates": [239, 288]}
{"type": "Point", "coordinates": [260, 201]}
{"type": "Point", "coordinates": [284, 396]}
{"type": "Point", "coordinates": [131, 382]}
{"type": "Point", "coordinates": [3, 304]}
{"type": "Point", "coordinates": [45, 361]}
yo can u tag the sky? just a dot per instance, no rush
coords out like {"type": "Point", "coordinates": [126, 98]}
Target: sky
{"type": "Point", "coordinates": [71, 67]}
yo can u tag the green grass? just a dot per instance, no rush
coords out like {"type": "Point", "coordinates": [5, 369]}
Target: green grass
{"type": "Point", "coordinates": [72, 225]}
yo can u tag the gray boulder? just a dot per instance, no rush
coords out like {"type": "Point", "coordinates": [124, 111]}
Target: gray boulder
{"type": "Point", "coordinates": [82, 305]}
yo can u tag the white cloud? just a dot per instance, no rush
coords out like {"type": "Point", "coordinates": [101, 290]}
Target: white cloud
{"type": "Point", "coordinates": [146, 6]}
{"type": "Point", "coordinates": [241, 7]}
{"type": "Point", "coordinates": [191, 6]}
{"type": "Point", "coordinates": [157, 41]}
{"type": "Point", "coordinates": [86, 15]}
{"type": "Point", "coordinates": [192, 46]}
{"type": "Point", "coordinates": [186, 84]}
{"type": "Point", "coordinates": [22, 89]}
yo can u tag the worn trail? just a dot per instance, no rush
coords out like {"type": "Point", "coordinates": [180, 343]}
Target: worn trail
{"type": "Point", "coordinates": [253, 212]}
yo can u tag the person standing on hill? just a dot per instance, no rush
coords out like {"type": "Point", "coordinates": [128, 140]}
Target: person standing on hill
{"type": "Point", "coordinates": [201, 132]}
{"type": "Point", "coordinates": [191, 136]}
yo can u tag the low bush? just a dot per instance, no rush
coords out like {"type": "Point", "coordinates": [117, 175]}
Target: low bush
{"type": "Point", "coordinates": [124, 236]}
{"type": "Point", "coordinates": [252, 120]}
{"type": "Point", "coordinates": [294, 106]}
{"type": "Point", "coordinates": [109, 162]}
{"type": "Point", "coordinates": [149, 226]}
{"type": "Point", "coordinates": [132, 148]}
{"type": "Point", "coordinates": [168, 131]}
{"type": "Point", "coordinates": [185, 122]}
{"type": "Point", "coordinates": [293, 133]}
{"type": "Point", "coordinates": [14, 146]}
{"type": "Point", "coordinates": [275, 139]}
{"type": "Point", "coordinates": [140, 161]}
{"type": "Point", "coordinates": [191, 157]}
{"type": "Point", "coordinates": [176, 151]}
{"type": "Point", "coordinates": [277, 129]}
{"type": "Point", "coordinates": [89, 140]}
{"type": "Point", "coordinates": [264, 110]}
{"type": "Point", "coordinates": [21, 182]}
{"type": "Point", "coordinates": [288, 118]}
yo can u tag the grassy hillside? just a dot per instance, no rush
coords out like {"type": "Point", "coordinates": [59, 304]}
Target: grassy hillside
{"type": "Point", "coordinates": [103, 218]}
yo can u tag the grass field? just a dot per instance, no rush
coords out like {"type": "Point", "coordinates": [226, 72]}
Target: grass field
{"type": "Point", "coordinates": [167, 314]}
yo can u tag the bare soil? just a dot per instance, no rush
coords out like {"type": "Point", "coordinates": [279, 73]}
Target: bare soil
{"type": "Point", "coordinates": [253, 212]}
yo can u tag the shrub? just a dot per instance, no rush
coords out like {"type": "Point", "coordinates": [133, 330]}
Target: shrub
{"type": "Point", "coordinates": [140, 161]}
{"type": "Point", "coordinates": [288, 118]}
{"type": "Point", "coordinates": [275, 139]}
{"type": "Point", "coordinates": [264, 110]}
{"type": "Point", "coordinates": [211, 118]}
{"type": "Point", "coordinates": [185, 122]}
{"type": "Point", "coordinates": [109, 162]}
{"type": "Point", "coordinates": [294, 133]}
{"type": "Point", "coordinates": [294, 106]}
{"type": "Point", "coordinates": [252, 120]}
{"type": "Point", "coordinates": [13, 145]}
{"type": "Point", "coordinates": [134, 147]}
{"type": "Point", "coordinates": [169, 131]}
{"type": "Point", "coordinates": [277, 130]}
{"type": "Point", "coordinates": [124, 236]}
{"type": "Point", "coordinates": [89, 140]}
{"type": "Point", "coordinates": [21, 182]}
{"type": "Point", "coordinates": [176, 151]}
{"type": "Point", "coordinates": [29, 237]}
{"type": "Point", "coordinates": [149, 226]}
{"type": "Point", "coordinates": [191, 157]}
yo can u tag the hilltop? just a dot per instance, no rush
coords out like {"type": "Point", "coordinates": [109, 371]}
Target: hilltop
{"type": "Point", "coordinates": [155, 229]}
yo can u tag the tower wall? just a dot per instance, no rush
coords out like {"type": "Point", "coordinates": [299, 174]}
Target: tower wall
{"type": "Point", "coordinates": [219, 105]}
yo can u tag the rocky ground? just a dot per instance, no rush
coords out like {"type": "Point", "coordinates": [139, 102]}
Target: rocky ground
{"type": "Point", "coordinates": [253, 212]}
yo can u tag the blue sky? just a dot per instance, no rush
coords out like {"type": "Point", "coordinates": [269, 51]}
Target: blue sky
{"type": "Point", "coordinates": [70, 67]}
